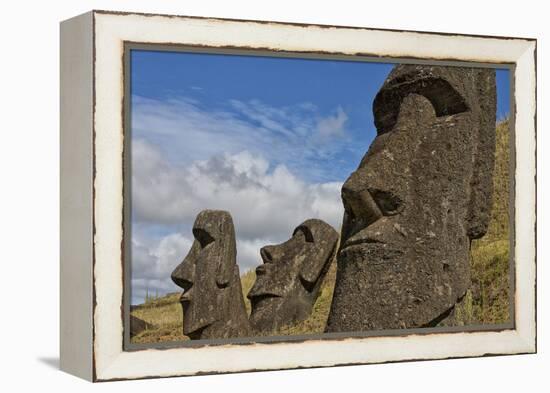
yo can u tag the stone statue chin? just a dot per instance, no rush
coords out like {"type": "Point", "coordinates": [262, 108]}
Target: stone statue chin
{"type": "Point", "coordinates": [212, 301]}
{"type": "Point", "coordinates": [287, 283]}
{"type": "Point", "coordinates": [421, 193]}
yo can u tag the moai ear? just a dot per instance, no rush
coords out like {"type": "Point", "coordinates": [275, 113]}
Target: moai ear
{"type": "Point", "coordinates": [224, 273]}
{"type": "Point", "coordinates": [228, 254]}
{"type": "Point", "coordinates": [314, 267]}
{"type": "Point", "coordinates": [324, 239]}
{"type": "Point", "coordinates": [484, 156]}
{"type": "Point", "coordinates": [450, 95]}
{"type": "Point", "coordinates": [217, 226]}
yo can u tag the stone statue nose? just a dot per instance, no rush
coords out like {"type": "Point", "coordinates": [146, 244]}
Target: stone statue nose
{"type": "Point", "coordinates": [184, 275]}
{"type": "Point", "coordinates": [359, 204]}
{"type": "Point", "coordinates": [269, 254]}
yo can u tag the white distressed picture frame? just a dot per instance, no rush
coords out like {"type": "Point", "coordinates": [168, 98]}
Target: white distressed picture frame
{"type": "Point", "coordinates": [92, 152]}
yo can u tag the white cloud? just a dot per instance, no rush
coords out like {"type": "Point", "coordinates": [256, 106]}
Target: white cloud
{"type": "Point", "coordinates": [266, 205]}
{"type": "Point", "coordinates": [294, 135]}
{"type": "Point", "coordinates": [288, 122]}
{"type": "Point", "coordinates": [332, 126]}
{"type": "Point", "coordinates": [153, 263]}
{"type": "Point", "coordinates": [248, 252]}
{"type": "Point", "coordinates": [260, 163]}
{"type": "Point", "coordinates": [263, 203]}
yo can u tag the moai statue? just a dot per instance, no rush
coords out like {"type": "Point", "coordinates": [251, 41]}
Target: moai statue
{"type": "Point", "coordinates": [420, 195]}
{"type": "Point", "coordinates": [212, 301]}
{"type": "Point", "coordinates": [287, 283]}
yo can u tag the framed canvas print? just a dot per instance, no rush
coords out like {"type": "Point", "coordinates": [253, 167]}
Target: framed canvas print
{"type": "Point", "coordinates": [245, 195]}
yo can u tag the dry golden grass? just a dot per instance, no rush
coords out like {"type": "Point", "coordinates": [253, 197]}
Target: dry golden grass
{"type": "Point", "coordinates": [166, 317]}
{"type": "Point", "coordinates": [247, 280]}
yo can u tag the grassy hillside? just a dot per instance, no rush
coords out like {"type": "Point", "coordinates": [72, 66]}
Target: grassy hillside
{"type": "Point", "coordinates": [487, 301]}
{"type": "Point", "coordinates": [166, 317]}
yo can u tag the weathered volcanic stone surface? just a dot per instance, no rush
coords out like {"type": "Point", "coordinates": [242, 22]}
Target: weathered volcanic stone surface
{"type": "Point", "coordinates": [421, 193]}
{"type": "Point", "coordinates": [287, 283]}
{"type": "Point", "coordinates": [137, 325]}
{"type": "Point", "coordinates": [212, 301]}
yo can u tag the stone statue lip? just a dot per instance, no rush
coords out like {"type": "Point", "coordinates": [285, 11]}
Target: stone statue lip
{"type": "Point", "coordinates": [197, 328]}
{"type": "Point", "coordinates": [264, 295]}
{"type": "Point", "coordinates": [356, 242]}
{"type": "Point", "coordinates": [185, 296]}
{"type": "Point", "coordinates": [256, 291]}
{"type": "Point", "coordinates": [381, 233]}
{"type": "Point", "coordinates": [262, 269]}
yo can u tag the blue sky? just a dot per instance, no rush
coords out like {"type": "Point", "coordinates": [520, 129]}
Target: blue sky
{"type": "Point", "coordinates": [269, 139]}
{"type": "Point", "coordinates": [216, 80]}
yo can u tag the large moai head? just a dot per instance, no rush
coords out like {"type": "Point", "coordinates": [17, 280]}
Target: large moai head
{"type": "Point", "coordinates": [421, 193]}
{"type": "Point", "coordinates": [212, 301]}
{"type": "Point", "coordinates": [287, 283]}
